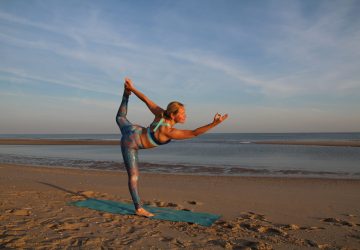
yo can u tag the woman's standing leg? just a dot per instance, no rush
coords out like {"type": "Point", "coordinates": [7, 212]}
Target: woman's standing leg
{"type": "Point", "coordinates": [131, 164]}
{"type": "Point", "coordinates": [130, 156]}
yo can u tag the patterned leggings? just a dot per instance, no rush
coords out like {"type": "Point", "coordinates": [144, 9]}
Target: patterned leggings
{"type": "Point", "coordinates": [130, 143]}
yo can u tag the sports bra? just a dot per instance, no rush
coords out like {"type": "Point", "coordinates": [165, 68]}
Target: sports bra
{"type": "Point", "coordinates": [151, 134]}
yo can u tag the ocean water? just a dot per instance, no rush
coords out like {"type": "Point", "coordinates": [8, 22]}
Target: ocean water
{"type": "Point", "coordinates": [209, 154]}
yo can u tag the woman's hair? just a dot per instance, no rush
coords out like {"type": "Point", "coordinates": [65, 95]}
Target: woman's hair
{"type": "Point", "coordinates": [172, 108]}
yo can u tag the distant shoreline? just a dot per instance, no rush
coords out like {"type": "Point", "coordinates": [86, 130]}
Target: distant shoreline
{"type": "Point", "coordinates": [342, 143]}
{"type": "Point", "coordinates": [9, 141]}
{"type": "Point", "coordinates": [57, 142]}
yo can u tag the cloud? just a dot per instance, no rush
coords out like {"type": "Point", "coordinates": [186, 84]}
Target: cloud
{"type": "Point", "coordinates": [321, 51]}
{"type": "Point", "coordinates": [67, 101]}
{"type": "Point", "coordinates": [21, 76]}
{"type": "Point", "coordinates": [307, 53]}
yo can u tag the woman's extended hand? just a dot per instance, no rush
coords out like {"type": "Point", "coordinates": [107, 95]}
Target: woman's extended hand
{"type": "Point", "coordinates": [219, 118]}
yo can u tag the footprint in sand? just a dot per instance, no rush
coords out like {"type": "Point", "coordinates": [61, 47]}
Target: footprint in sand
{"type": "Point", "coordinates": [311, 228]}
{"type": "Point", "coordinates": [339, 222]}
{"type": "Point", "coordinates": [171, 204]}
{"type": "Point", "coordinates": [291, 227]}
{"type": "Point", "coordinates": [195, 203]}
{"type": "Point", "coordinates": [311, 243]}
{"type": "Point", "coordinates": [186, 209]}
{"type": "Point", "coordinates": [347, 223]}
{"type": "Point", "coordinates": [73, 226]}
{"type": "Point", "coordinates": [256, 245]}
{"type": "Point", "coordinates": [77, 241]}
{"type": "Point", "coordinates": [108, 216]}
{"type": "Point", "coordinates": [166, 238]}
{"type": "Point", "coordinates": [77, 198]}
{"type": "Point", "coordinates": [158, 203]}
{"type": "Point", "coordinates": [263, 229]}
{"type": "Point", "coordinates": [253, 216]}
{"type": "Point", "coordinates": [15, 232]}
{"type": "Point", "coordinates": [149, 203]}
{"type": "Point", "coordinates": [21, 212]}
{"type": "Point", "coordinates": [241, 244]}
{"type": "Point", "coordinates": [351, 215]}
{"type": "Point", "coordinates": [220, 222]}
{"type": "Point", "coordinates": [52, 225]}
{"type": "Point", "coordinates": [89, 194]}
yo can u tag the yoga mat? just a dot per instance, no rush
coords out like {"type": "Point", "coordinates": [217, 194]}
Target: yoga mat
{"type": "Point", "coordinates": [161, 213]}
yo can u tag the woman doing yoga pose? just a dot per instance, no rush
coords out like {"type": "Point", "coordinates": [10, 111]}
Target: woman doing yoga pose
{"type": "Point", "coordinates": [160, 131]}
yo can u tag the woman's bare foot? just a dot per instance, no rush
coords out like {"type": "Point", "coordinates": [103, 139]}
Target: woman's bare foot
{"type": "Point", "coordinates": [142, 212]}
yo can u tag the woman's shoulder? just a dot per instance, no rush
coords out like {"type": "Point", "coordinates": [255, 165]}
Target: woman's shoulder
{"type": "Point", "coordinates": [156, 120]}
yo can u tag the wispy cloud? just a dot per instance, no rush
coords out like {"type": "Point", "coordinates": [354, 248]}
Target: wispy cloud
{"type": "Point", "coordinates": [321, 53]}
{"type": "Point", "coordinates": [268, 54]}
{"type": "Point", "coordinates": [299, 47]}
{"type": "Point", "coordinates": [22, 77]}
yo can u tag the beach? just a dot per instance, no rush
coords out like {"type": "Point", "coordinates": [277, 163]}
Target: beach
{"type": "Point", "coordinates": [257, 212]}
{"type": "Point", "coordinates": [234, 123]}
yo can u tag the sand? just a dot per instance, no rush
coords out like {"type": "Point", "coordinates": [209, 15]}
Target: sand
{"type": "Point", "coordinates": [257, 212]}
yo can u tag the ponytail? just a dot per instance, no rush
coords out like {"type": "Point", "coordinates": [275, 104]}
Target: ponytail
{"type": "Point", "coordinates": [172, 108]}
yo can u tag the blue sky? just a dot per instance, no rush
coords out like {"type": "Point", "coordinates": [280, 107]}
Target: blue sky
{"type": "Point", "coordinates": [274, 66]}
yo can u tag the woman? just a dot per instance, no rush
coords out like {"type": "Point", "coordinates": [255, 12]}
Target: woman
{"type": "Point", "coordinates": [159, 132]}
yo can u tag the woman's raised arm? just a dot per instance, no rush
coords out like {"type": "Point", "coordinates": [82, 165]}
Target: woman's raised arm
{"type": "Point", "coordinates": [154, 108]}
{"type": "Point", "coordinates": [178, 134]}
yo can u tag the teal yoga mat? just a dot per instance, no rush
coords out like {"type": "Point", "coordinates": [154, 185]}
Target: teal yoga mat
{"type": "Point", "coordinates": [161, 213]}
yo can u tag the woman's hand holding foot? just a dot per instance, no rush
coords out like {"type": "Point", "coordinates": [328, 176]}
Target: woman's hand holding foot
{"type": "Point", "coordinates": [128, 86]}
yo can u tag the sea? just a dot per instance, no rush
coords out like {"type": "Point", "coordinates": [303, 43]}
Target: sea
{"type": "Point", "coordinates": [219, 154]}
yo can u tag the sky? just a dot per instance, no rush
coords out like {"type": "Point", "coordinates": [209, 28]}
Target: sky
{"type": "Point", "coordinates": [273, 66]}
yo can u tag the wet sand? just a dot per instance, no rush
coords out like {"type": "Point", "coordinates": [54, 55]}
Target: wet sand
{"type": "Point", "coordinates": [9, 141]}
{"type": "Point", "coordinates": [257, 212]}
